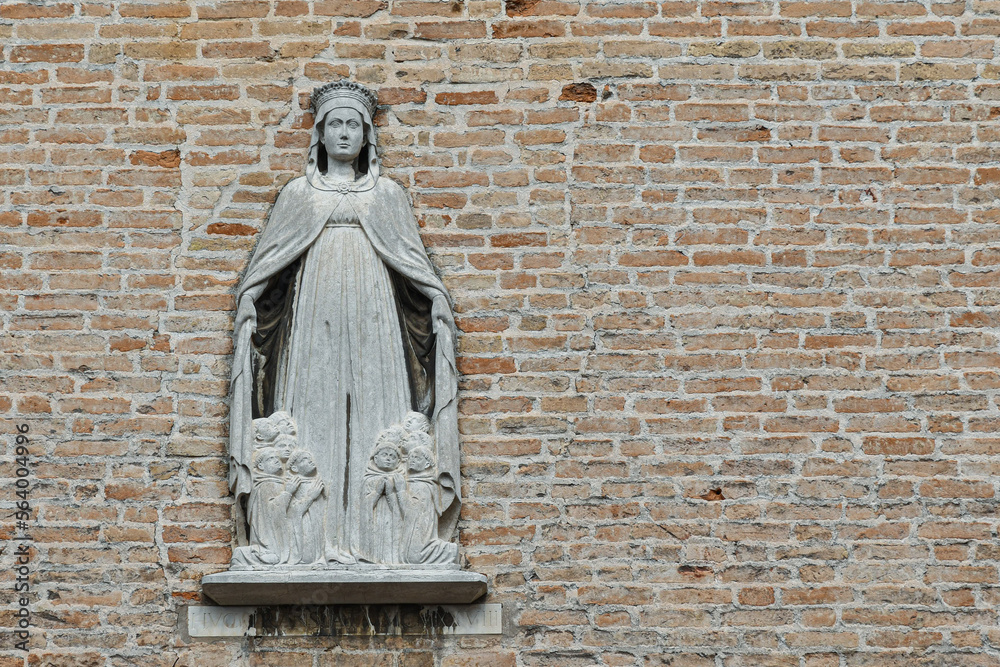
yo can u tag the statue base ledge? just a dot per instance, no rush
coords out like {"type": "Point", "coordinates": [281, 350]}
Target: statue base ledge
{"type": "Point", "coordinates": [381, 586]}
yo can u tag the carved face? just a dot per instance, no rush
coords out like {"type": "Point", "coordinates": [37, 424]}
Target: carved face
{"type": "Point", "coordinates": [416, 422]}
{"type": "Point", "coordinates": [285, 445]}
{"type": "Point", "coordinates": [418, 461]}
{"type": "Point", "coordinates": [343, 134]}
{"type": "Point", "coordinates": [265, 430]}
{"type": "Point", "coordinates": [283, 422]}
{"type": "Point", "coordinates": [387, 458]}
{"type": "Point", "coordinates": [304, 465]}
{"type": "Point", "coordinates": [270, 464]}
{"type": "Point", "coordinates": [418, 439]}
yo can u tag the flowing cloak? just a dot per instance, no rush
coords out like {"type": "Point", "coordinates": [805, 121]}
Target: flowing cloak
{"type": "Point", "coordinates": [267, 506]}
{"type": "Point", "coordinates": [428, 495]}
{"type": "Point", "coordinates": [307, 542]}
{"type": "Point", "coordinates": [264, 306]}
{"type": "Point", "coordinates": [381, 515]}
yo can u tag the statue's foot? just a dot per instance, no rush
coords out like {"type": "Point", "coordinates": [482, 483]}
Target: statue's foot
{"type": "Point", "coordinates": [266, 557]}
{"type": "Point", "coordinates": [252, 558]}
{"type": "Point", "coordinates": [338, 556]}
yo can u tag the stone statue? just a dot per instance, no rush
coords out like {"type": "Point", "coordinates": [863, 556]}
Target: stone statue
{"type": "Point", "coordinates": [382, 512]}
{"type": "Point", "coordinates": [345, 346]}
{"type": "Point", "coordinates": [305, 514]}
{"type": "Point", "coordinates": [268, 505]}
{"type": "Point", "coordinates": [428, 494]}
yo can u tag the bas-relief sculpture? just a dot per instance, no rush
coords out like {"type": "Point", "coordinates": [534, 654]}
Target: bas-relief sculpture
{"type": "Point", "coordinates": [343, 436]}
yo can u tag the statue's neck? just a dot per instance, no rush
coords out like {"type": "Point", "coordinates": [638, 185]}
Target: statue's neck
{"type": "Point", "coordinates": [340, 171]}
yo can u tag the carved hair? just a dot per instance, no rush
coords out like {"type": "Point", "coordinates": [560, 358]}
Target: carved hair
{"type": "Point", "coordinates": [387, 439]}
{"type": "Point", "coordinates": [394, 435]}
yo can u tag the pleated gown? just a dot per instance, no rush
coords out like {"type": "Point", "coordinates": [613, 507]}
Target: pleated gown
{"type": "Point", "coordinates": [343, 375]}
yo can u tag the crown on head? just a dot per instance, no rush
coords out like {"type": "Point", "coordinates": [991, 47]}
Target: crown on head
{"type": "Point", "coordinates": [345, 88]}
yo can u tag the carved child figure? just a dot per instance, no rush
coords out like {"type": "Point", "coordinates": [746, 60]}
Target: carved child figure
{"type": "Point", "coordinates": [265, 432]}
{"type": "Point", "coordinates": [416, 422]}
{"type": "Point", "coordinates": [305, 515]}
{"type": "Point", "coordinates": [285, 444]}
{"type": "Point", "coordinates": [268, 506]}
{"type": "Point", "coordinates": [284, 423]}
{"type": "Point", "coordinates": [382, 510]}
{"type": "Point", "coordinates": [428, 494]}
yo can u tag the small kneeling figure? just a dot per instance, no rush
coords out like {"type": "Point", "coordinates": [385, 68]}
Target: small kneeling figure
{"type": "Point", "coordinates": [305, 513]}
{"type": "Point", "coordinates": [382, 510]}
{"type": "Point", "coordinates": [267, 510]}
{"type": "Point", "coordinates": [428, 495]}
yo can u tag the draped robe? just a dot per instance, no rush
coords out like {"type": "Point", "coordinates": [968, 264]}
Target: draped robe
{"type": "Point", "coordinates": [265, 312]}
{"type": "Point", "coordinates": [267, 506]}
{"type": "Point", "coordinates": [307, 540]}
{"type": "Point", "coordinates": [382, 516]}
{"type": "Point", "coordinates": [428, 494]}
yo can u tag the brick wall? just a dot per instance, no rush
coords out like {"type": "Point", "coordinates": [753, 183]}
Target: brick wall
{"type": "Point", "coordinates": [727, 274]}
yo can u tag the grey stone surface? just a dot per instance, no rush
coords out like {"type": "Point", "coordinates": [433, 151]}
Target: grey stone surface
{"type": "Point", "coordinates": [210, 621]}
{"type": "Point", "coordinates": [343, 426]}
{"type": "Point", "coordinates": [206, 621]}
{"type": "Point", "coordinates": [344, 586]}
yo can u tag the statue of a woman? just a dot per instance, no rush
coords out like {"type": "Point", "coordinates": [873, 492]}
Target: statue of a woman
{"type": "Point", "coordinates": [342, 323]}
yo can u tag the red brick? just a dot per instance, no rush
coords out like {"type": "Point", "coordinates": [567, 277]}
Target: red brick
{"type": "Point", "coordinates": [472, 97]}
{"type": "Point", "coordinates": [450, 30]}
{"type": "Point", "coordinates": [50, 53]}
{"type": "Point", "coordinates": [579, 92]}
{"type": "Point", "coordinates": [516, 29]}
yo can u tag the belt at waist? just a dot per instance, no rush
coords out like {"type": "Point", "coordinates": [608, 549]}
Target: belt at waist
{"type": "Point", "coordinates": [342, 223]}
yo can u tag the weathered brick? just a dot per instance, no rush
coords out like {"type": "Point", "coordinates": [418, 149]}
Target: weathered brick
{"type": "Point", "coordinates": [51, 53]}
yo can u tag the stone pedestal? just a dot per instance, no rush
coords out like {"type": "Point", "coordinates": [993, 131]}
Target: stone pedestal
{"type": "Point", "coordinates": [355, 586]}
